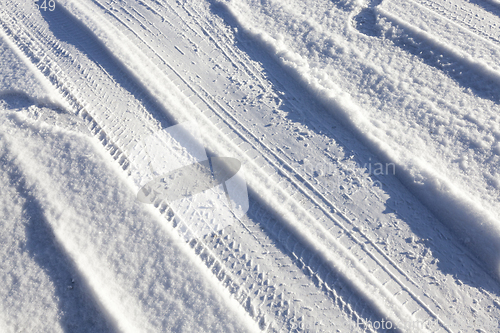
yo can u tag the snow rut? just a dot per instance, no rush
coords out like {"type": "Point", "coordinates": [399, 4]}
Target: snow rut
{"type": "Point", "coordinates": [356, 281]}
{"type": "Point", "coordinates": [196, 100]}
{"type": "Point", "coordinates": [446, 46]}
{"type": "Point", "coordinates": [241, 272]}
{"type": "Point", "coordinates": [476, 16]}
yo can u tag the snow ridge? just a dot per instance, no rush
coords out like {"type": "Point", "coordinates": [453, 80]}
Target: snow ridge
{"type": "Point", "coordinates": [471, 218]}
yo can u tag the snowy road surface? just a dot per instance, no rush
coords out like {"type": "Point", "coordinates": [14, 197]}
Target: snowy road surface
{"type": "Point", "coordinates": [244, 166]}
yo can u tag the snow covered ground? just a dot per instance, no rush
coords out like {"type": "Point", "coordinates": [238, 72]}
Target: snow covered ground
{"type": "Point", "coordinates": [79, 254]}
{"type": "Point", "coordinates": [368, 134]}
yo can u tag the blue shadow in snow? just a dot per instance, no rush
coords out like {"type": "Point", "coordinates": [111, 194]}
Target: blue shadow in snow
{"type": "Point", "coordinates": [419, 219]}
{"type": "Point", "coordinates": [68, 29]}
{"type": "Point", "coordinates": [79, 312]}
{"type": "Point", "coordinates": [457, 68]}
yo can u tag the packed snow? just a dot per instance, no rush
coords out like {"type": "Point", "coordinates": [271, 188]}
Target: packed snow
{"type": "Point", "coordinates": [363, 137]}
{"type": "Point", "coordinates": [445, 142]}
{"type": "Point", "coordinates": [78, 252]}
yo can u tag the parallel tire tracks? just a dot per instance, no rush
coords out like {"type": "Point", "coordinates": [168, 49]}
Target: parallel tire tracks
{"type": "Point", "coordinates": [229, 254]}
{"type": "Point", "coordinates": [237, 268]}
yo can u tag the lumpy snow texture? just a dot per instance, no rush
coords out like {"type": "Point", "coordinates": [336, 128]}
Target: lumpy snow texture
{"type": "Point", "coordinates": [79, 253]}
{"type": "Point", "coordinates": [444, 140]}
{"type": "Point", "coordinates": [18, 78]}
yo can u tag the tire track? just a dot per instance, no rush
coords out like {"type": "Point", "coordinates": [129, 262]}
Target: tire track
{"type": "Point", "coordinates": [455, 34]}
{"type": "Point", "coordinates": [484, 24]}
{"type": "Point", "coordinates": [178, 80]}
{"type": "Point", "coordinates": [262, 147]}
{"type": "Point", "coordinates": [48, 64]}
{"type": "Point", "coordinates": [286, 173]}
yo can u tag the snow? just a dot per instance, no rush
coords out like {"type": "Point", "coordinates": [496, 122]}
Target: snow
{"type": "Point", "coordinates": [365, 131]}
{"type": "Point", "coordinates": [446, 37]}
{"type": "Point", "coordinates": [80, 254]}
{"type": "Point", "coordinates": [317, 50]}
{"type": "Point", "coordinates": [19, 77]}
{"type": "Point", "coordinates": [173, 165]}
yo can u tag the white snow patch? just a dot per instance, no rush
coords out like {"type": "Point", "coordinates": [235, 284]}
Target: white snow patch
{"type": "Point", "coordinates": [18, 76]}
{"type": "Point", "coordinates": [137, 270]}
{"type": "Point", "coordinates": [471, 216]}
